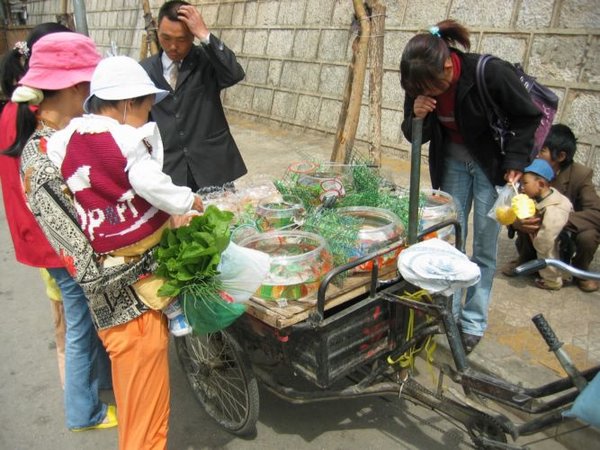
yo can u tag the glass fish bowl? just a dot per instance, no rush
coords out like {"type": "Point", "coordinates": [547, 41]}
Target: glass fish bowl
{"type": "Point", "coordinates": [299, 260]}
{"type": "Point", "coordinates": [325, 180]}
{"type": "Point", "coordinates": [379, 228]}
{"type": "Point", "coordinates": [279, 212]}
{"type": "Point", "coordinates": [439, 206]}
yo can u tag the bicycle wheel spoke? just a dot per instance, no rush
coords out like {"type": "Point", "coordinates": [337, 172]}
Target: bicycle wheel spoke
{"type": "Point", "coordinates": [238, 387]}
{"type": "Point", "coordinates": [231, 393]}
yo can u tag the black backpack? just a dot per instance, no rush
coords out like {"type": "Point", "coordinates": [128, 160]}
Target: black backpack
{"type": "Point", "coordinates": [541, 96]}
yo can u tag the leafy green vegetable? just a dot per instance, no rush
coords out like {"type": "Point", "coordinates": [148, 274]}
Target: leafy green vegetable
{"type": "Point", "coordinates": [190, 255]}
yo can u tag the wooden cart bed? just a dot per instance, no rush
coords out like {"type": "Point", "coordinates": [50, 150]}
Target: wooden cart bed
{"type": "Point", "coordinates": [296, 311]}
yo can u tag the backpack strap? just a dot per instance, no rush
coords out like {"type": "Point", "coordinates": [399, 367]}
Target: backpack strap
{"type": "Point", "coordinates": [496, 118]}
{"type": "Point", "coordinates": [491, 109]}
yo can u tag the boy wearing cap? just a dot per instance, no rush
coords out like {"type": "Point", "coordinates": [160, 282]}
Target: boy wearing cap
{"type": "Point", "coordinates": [575, 181]}
{"type": "Point", "coordinates": [554, 209]}
{"type": "Point", "coordinates": [111, 161]}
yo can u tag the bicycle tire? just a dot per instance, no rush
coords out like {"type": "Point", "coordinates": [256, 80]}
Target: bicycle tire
{"type": "Point", "coordinates": [222, 379]}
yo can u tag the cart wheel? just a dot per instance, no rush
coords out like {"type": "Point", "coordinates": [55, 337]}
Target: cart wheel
{"type": "Point", "coordinates": [483, 427]}
{"type": "Point", "coordinates": [222, 379]}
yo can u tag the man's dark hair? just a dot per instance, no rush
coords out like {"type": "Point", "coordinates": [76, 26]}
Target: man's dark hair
{"type": "Point", "coordinates": [169, 10]}
{"type": "Point", "coordinates": [561, 139]}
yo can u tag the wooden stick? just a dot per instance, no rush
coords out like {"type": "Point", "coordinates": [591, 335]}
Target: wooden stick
{"type": "Point", "coordinates": [376, 79]}
{"type": "Point", "coordinates": [344, 143]}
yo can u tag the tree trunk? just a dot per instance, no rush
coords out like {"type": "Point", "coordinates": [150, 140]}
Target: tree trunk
{"type": "Point", "coordinates": [344, 142]}
{"type": "Point", "coordinates": [375, 79]}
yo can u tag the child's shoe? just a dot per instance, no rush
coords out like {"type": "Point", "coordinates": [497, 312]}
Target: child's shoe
{"type": "Point", "coordinates": [109, 421]}
{"type": "Point", "coordinates": [179, 326]}
{"type": "Point", "coordinates": [173, 309]}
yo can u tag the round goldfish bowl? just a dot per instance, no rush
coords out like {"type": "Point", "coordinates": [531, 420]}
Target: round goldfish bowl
{"type": "Point", "coordinates": [439, 206]}
{"type": "Point", "coordinates": [299, 260]}
{"type": "Point", "coordinates": [379, 228]}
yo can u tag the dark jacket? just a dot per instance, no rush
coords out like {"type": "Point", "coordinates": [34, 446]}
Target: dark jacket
{"type": "Point", "coordinates": [191, 119]}
{"type": "Point", "coordinates": [511, 97]}
{"type": "Point", "coordinates": [575, 182]}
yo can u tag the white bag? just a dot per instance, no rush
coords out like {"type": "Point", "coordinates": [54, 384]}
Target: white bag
{"type": "Point", "coordinates": [437, 266]}
{"type": "Point", "coordinates": [242, 271]}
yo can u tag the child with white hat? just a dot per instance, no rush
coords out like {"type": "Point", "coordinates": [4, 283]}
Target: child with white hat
{"type": "Point", "coordinates": [111, 160]}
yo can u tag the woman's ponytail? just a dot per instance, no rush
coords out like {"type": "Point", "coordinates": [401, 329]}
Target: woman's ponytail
{"type": "Point", "coordinates": [26, 124]}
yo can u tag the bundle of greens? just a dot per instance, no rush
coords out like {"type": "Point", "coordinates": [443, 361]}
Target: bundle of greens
{"type": "Point", "coordinates": [188, 258]}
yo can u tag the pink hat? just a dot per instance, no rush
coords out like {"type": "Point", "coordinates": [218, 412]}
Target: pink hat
{"type": "Point", "coordinates": [61, 60]}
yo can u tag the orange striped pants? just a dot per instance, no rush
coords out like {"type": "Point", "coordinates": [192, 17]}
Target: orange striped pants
{"type": "Point", "coordinates": [140, 373]}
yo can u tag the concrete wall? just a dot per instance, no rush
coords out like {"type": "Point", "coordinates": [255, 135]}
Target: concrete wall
{"type": "Point", "coordinates": [296, 54]}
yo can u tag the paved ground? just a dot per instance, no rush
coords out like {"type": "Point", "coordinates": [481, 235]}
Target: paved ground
{"type": "Point", "coordinates": [31, 416]}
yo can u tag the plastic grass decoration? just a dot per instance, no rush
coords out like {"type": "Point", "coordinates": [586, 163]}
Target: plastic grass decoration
{"type": "Point", "coordinates": [340, 232]}
{"type": "Point", "coordinates": [307, 194]}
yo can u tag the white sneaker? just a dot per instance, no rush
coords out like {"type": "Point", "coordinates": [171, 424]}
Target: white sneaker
{"type": "Point", "coordinates": [173, 309]}
{"type": "Point", "coordinates": [179, 326]}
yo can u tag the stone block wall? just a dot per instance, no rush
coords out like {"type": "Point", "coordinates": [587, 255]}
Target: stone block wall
{"type": "Point", "coordinates": [296, 54]}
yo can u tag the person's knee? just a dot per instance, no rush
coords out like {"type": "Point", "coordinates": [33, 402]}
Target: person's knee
{"type": "Point", "coordinates": [587, 239]}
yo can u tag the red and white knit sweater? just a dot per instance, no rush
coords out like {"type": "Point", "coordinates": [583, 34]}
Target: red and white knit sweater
{"type": "Point", "coordinates": [111, 214]}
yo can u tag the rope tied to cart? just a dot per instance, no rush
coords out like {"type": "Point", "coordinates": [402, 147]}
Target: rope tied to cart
{"type": "Point", "coordinates": [407, 360]}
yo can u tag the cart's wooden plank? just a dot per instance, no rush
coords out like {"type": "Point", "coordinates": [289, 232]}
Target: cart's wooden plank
{"type": "Point", "coordinates": [297, 311]}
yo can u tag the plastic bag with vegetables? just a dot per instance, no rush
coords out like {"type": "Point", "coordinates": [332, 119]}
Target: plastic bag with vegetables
{"type": "Point", "coordinates": [188, 258]}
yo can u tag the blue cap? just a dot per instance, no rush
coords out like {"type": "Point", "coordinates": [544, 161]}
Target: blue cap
{"type": "Point", "coordinates": [540, 167]}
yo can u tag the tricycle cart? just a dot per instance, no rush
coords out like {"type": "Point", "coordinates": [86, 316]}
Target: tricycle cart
{"type": "Point", "coordinates": [341, 347]}
{"type": "Point", "coordinates": [344, 343]}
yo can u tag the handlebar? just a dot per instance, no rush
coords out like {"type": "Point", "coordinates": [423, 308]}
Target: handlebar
{"type": "Point", "coordinates": [555, 346]}
{"type": "Point", "coordinates": [533, 266]}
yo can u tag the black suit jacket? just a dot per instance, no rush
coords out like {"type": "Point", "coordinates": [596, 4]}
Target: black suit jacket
{"type": "Point", "coordinates": [191, 119]}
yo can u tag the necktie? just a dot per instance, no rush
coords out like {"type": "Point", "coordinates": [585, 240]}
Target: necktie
{"type": "Point", "coordinates": [174, 74]}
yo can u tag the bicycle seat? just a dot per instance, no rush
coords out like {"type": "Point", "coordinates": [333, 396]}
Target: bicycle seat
{"type": "Point", "coordinates": [438, 267]}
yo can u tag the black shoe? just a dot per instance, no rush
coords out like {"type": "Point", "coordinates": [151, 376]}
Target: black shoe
{"type": "Point", "coordinates": [469, 341]}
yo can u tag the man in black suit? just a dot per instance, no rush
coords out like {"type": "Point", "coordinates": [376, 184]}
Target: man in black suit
{"type": "Point", "coordinates": [199, 148]}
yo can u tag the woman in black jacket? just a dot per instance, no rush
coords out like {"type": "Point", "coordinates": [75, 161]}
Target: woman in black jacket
{"type": "Point", "coordinates": [464, 159]}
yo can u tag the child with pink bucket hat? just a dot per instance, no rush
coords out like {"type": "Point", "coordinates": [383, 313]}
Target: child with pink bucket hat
{"type": "Point", "coordinates": [135, 336]}
{"type": "Point", "coordinates": [112, 159]}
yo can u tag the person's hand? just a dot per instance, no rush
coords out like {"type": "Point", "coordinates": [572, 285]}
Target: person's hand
{"type": "Point", "coordinates": [527, 226]}
{"type": "Point", "coordinates": [423, 105]}
{"type": "Point", "coordinates": [197, 205]}
{"type": "Point", "coordinates": [512, 176]}
{"type": "Point", "coordinates": [180, 221]}
{"type": "Point", "coordinates": [190, 15]}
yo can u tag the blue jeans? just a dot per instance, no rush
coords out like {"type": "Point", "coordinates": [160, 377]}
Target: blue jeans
{"type": "Point", "coordinates": [87, 367]}
{"type": "Point", "coordinates": [467, 183]}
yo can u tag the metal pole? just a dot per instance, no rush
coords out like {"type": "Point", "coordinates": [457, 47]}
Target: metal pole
{"type": "Point", "coordinates": [415, 180]}
{"type": "Point", "coordinates": [80, 17]}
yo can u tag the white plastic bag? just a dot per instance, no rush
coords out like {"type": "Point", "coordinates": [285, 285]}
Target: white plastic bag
{"type": "Point", "coordinates": [437, 266]}
{"type": "Point", "coordinates": [242, 271]}
{"type": "Point", "coordinates": [502, 210]}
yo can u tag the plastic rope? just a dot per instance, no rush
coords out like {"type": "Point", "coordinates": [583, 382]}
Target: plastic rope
{"type": "Point", "coordinates": [407, 360]}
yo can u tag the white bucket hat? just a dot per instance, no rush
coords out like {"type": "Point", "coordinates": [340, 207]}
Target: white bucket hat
{"type": "Point", "coordinates": [121, 78]}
